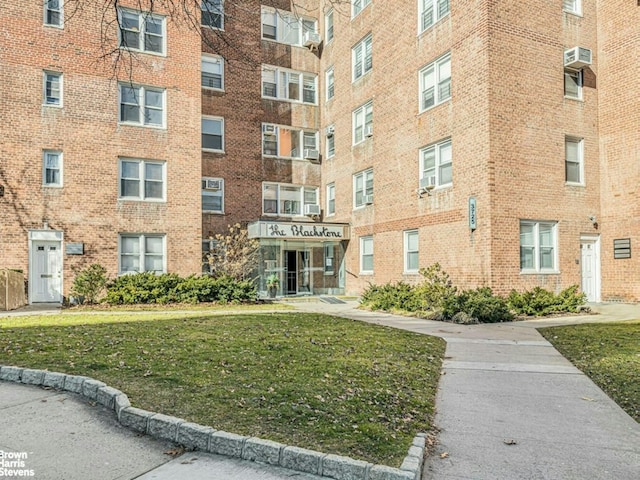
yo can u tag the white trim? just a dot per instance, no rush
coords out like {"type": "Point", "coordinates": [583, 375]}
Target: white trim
{"type": "Point", "coordinates": [580, 159]}
{"type": "Point", "coordinates": [361, 254]}
{"type": "Point", "coordinates": [44, 88]}
{"type": "Point", "coordinates": [142, 31]}
{"type": "Point", "coordinates": [210, 58]}
{"type": "Point", "coordinates": [221, 12]}
{"type": "Point", "coordinates": [45, 3]}
{"type": "Point", "coordinates": [44, 168]}
{"type": "Point", "coordinates": [141, 180]}
{"type": "Point", "coordinates": [406, 251]}
{"type": "Point", "coordinates": [213, 193]}
{"type": "Point", "coordinates": [537, 270]}
{"type": "Point", "coordinates": [221, 120]}
{"type": "Point", "coordinates": [142, 253]}
{"type": "Point", "coordinates": [141, 106]}
{"type": "Point", "coordinates": [595, 239]}
{"type": "Point", "coordinates": [45, 236]}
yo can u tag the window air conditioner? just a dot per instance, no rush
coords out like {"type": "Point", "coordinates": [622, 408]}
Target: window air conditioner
{"type": "Point", "coordinates": [330, 130]}
{"type": "Point", "coordinates": [311, 39]}
{"type": "Point", "coordinates": [577, 57]}
{"type": "Point", "coordinates": [311, 154]}
{"type": "Point", "coordinates": [428, 182]}
{"type": "Point", "coordinates": [213, 184]}
{"type": "Point", "coordinates": [312, 209]}
{"type": "Point", "coordinates": [367, 199]}
{"type": "Point", "coordinates": [269, 129]}
{"type": "Point", "coordinates": [368, 131]}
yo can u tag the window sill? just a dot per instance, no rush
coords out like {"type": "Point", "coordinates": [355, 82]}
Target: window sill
{"type": "Point", "coordinates": [540, 272]}
{"type": "Point", "coordinates": [576, 99]}
{"type": "Point", "coordinates": [146, 52]}
{"type": "Point", "coordinates": [575, 184]}
{"type": "Point", "coordinates": [575, 14]}
{"type": "Point", "coordinates": [299, 45]}
{"type": "Point", "coordinates": [141, 200]}
{"type": "Point", "coordinates": [213, 212]}
{"type": "Point", "coordinates": [131, 124]}
{"type": "Point", "coordinates": [434, 106]}
{"type": "Point", "coordinates": [52, 105]}
{"type": "Point", "coordinates": [432, 26]}
{"type": "Point", "coordinates": [366, 273]}
{"type": "Point", "coordinates": [296, 102]}
{"type": "Point", "coordinates": [360, 207]}
{"type": "Point", "coordinates": [221, 29]}
{"type": "Point", "coordinates": [364, 75]}
{"type": "Point", "coordinates": [52, 185]}
{"type": "Point", "coordinates": [211, 150]}
{"type": "Point", "coordinates": [212, 89]}
{"type": "Point", "coordinates": [299, 159]}
{"type": "Point", "coordinates": [411, 272]}
{"type": "Point", "coordinates": [50, 25]}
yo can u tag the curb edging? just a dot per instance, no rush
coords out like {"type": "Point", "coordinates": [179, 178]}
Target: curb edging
{"type": "Point", "coordinates": [210, 440]}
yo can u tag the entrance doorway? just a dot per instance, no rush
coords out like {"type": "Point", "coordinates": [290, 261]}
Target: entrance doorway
{"type": "Point", "coordinates": [298, 271]}
{"type": "Point", "coordinates": [590, 267]}
{"type": "Point", "coordinates": [45, 277]}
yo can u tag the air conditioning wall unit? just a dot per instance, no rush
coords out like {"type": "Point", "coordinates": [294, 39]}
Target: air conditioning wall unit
{"type": "Point", "coordinates": [330, 130]}
{"type": "Point", "coordinates": [213, 184]}
{"type": "Point", "coordinates": [312, 209]}
{"type": "Point", "coordinates": [311, 154]}
{"type": "Point", "coordinates": [428, 182]}
{"type": "Point", "coordinates": [577, 57]}
{"type": "Point", "coordinates": [368, 131]}
{"type": "Point", "coordinates": [311, 39]}
{"type": "Point", "coordinates": [367, 199]}
{"type": "Point", "coordinates": [269, 129]}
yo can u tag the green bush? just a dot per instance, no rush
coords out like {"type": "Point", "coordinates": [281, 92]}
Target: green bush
{"type": "Point", "coordinates": [89, 283]}
{"type": "Point", "coordinates": [539, 301]}
{"type": "Point", "coordinates": [435, 289]}
{"type": "Point", "coordinates": [391, 296]}
{"type": "Point", "coordinates": [479, 305]}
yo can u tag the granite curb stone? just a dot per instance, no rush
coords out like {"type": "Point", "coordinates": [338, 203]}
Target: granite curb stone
{"type": "Point", "coordinates": [199, 437]}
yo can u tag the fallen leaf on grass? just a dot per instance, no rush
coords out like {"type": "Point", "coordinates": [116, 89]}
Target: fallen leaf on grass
{"type": "Point", "coordinates": [510, 442]}
{"type": "Point", "coordinates": [190, 461]}
{"type": "Point", "coordinates": [588, 399]}
{"type": "Point", "coordinates": [444, 455]}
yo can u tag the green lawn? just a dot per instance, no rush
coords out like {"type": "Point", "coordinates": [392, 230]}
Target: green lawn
{"type": "Point", "coordinates": [608, 353]}
{"type": "Point", "coordinates": [309, 380]}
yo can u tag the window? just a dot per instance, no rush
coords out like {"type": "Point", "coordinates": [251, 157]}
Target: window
{"type": "Point", "coordinates": [431, 11]}
{"type": "Point", "coordinates": [287, 142]}
{"type": "Point", "coordinates": [213, 195]}
{"type": "Point", "coordinates": [142, 180]}
{"type": "Point", "coordinates": [363, 188]}
{"type": "Point", "coordinates": [362, 123]}
{"type": "Point", "coordinates": [212, 13]}
{"type": "Point", "coordinates": [212, 72]}
{"type": "Point", "coordinates": [361, 57]}
{"type": "Point", "coordinates": [52, 168]}
{"type": "Point", "coordinates": [573, 84]}
{"type": "Point", "coordinates": [53, 13]}
{"type": "Point", "coordinates": [435, 164]}
{"type": "Point", "coordinates": [141, 31]}
{"type": "Point", "coordinates": [435, 82]}
{"type": "Point", "coordinates": [366, 254]}
{"type": "Point", "coordinates": [329, 258]}
{"type": "Point", "coordinates": [538, 246]}
{"type": "Point", "coordinates": [142, 253]}
{"type": "Point", "coordinates": [357, 6]}
{"type": "Point", "coordinates": [330, 83]}
{"type": "Point", "coordinates": [328, 26]}
{"type": "Point", "coordinates": [572, 6]}
{"type": "Point", "coordinates": [212, 134]}
{"type": "Point", "coordinates": [331, 143]}
{"type": "Point", "coordinates": [285, 27]}
{"type": "Point", "coordinates": [285, 199]}
{"type": "Point", "coordinates": [411, 251]}
{"type": "Point", "coordinates": [331, 199]}
{"type": "Point", "coordinates": [53, 89]}
{"type": "Point", "coordinates": [574, 165]}
{"type": "Point", "coordinates": [283, 84]}
{"type": "Point", "coordinates": [141, 105]}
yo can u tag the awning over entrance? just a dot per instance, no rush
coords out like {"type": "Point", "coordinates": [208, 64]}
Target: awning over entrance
{"type": "Point", "coordinates": [299, 231]}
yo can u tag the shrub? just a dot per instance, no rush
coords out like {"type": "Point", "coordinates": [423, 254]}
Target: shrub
{"type": "Point", "coordinates": [436, 287]}
{"type": "Point", "coordinates": [539, 301]}
{"type": "Point", "coordinates": [391, 296]}
{"type": "Point", "coordinates": [89, 283]}
{"type": "Point", "coordinates": [479, 304]}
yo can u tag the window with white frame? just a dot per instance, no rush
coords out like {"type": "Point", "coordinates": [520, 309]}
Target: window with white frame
{"type": "Point", "coordinates": [141, 31]}
{"type": "Point", "coordinates": [538, 246]}
{"type": "Point", "coordinates": [574, 162]}
{"type": "Point", "coordinates": [212, 195]}
{"type": "Point", "coordinates": [366, 254]}
{"type": "Point", "coordinates": [290, 85]}
{"type": "Point", "coordinates": [213, 134]}
{"type": "Point", "coordinates": [361, 57]}
{"type": "Point", "coordinates": [436, 164]}
{"type": "Point", "coordinates": [573, 84]}
{"type": "Point", "coordinates": [362, 123]}
{"type": "Point", "coordinates": [54, 13]}
{"type": "Point", "coordinates": [330, 80]}
{"type": "Point", "coordinates": [52, 168]}
{"type": "Point", "coordinates": [329, 259]}
{"type": "Point", "coordinates": [286, 27]}
{"type": "Point", "coordinates": [411, 251]}
{"type": "Point", "coordinates": [331, 199]}
{"type": "Point", "coordinates": [357, 6]}
{"type": "Point", "coordinates": [328, 26]}
{"type": "Point", "coordinates": [430, 11]}
{"type": "Point", "coordinates": [142, 105]}
{"type": "Point", "coordinates": [572, 6]}
{"type": "Point", "coordinates": [212, 13]}
{"type": "Point", "coordinates": [331, 142]}
{"type": "Point", "coordinates": [212, 76]}
{"type": "Point", "coordinates": [52, 89]}
{"type": "Point", "coordinates": [287, 142]}
{"type": "Point", "coordinates": [142, 180]}
{"type": "Point", "coordinates": [287, 200]}
{"type": "Point", "coordinates": [435, 82]}
{"type": "Point", "coordinates": [142, 253]}
{"type": "Point", "coordinates": [363, 188]}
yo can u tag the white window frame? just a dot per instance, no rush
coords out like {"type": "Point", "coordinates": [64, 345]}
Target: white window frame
{"type": "Point", "coordinates": [578, 75]}
{"type": "Point", "coordinates": [281, 204]}
{"type": "Point", "coordinates": [362, 186]}
{"type": "Point", "coordinates": [217, 8]}
{"type": "Point", "coordinates": [212, 60]}
{"type": "Point", "coordinates": [328, 27]}
{"type": "Point", "coordinates": [45, 98]}
{"type": "Point", "coordinates": [284, 79]}
{"type": "Point", "coordinates": [536, 246]}
{"type": "Point", "coordinates": [142, 89]}
{"type": "Point", "coordinates": [363, 50]}
{"type": "Point", "coordinates": [440, 83]}
{"type": "Point", "coordinates": [142, 253]}
{"type": "Point", "coordinates": [213, 193]}
{"type": "Point", "coordinates": [142, 180]}
{"type": "Point", "coordinates": [58, 155]}
{"type": "Point", "coordinates": [573, 7]}
{"type": "Point", "coordinates": [59, 10]}
{"type": "Point", "coordinates": [304, 138]}
{"type": "Point", "coordinates": [289, 28]}
{"type": "Point", "coordinates": [141, 31]}
{"type": "Point", "coordinates": [442, 162]}
{"type": "Point", "coordinates": [409, 250]}
{"type": "Point", "coordinates": [362, 117]}
{"type": "Point", "coordinates": [331, 199]}
{"type": "Point", "coordinates": [358, 6]}
{"type": "Point", "coordinates": [330, 143]}
{"type": "Point", "coordinates": [579, 142]}
{"type": "Point", "coordinates": [438, 9]}
{"type": "Point", "coordinates": [329, 76]}
{"type": "Point", "coordinates": [220, 120]}
{"type": "Point", "coordinates": [366, 250]}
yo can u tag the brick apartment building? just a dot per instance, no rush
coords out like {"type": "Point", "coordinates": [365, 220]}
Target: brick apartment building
{"type": "Point", "coordinates": [359, 141]}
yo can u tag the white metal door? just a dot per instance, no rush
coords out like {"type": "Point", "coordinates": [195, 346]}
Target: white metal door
{"type": "Point", "coordinates": [46, 273]}
{"type": "Point", "coordinates": [589, 270]}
